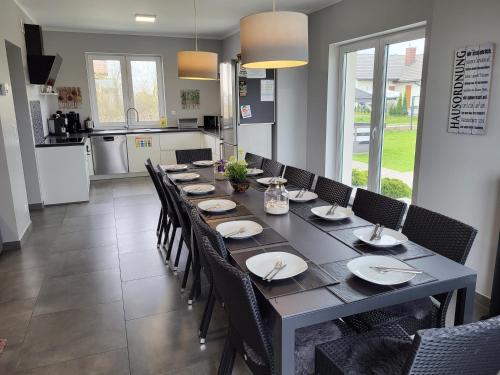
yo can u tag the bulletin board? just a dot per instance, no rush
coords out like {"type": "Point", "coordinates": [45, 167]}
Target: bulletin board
{"type": "Point", "coordinates": [262, 111]}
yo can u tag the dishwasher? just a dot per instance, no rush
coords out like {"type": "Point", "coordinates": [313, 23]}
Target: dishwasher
{"type": "Point", "coordinates": [110, 154]}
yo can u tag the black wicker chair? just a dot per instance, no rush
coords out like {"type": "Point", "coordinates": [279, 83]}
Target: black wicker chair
{"type": "Point", "coordinates": [443, 235]}
{"type": "Point", "coordinates": [163, 226]}
{"type": "Point", "coordinates": [188, 156]}
{"type": "Point", "coordinates": [185, 238]}
{"type": "Point", "coordinates": [172, 213]}
{"type": "Point", "coordinates": [272, 168]}
{"type": "Point", "coordinates": [201, 230]}
{"type": "Point", "coordinates": [253, 161]}
{"type": "Point", "coordinates": [333, 191]}
{"type": "Point", "coordinates": [467, 350]}
{"type": "Point", "coordinates": [249, 332]}
{"type": "Point", "coordinates": [378, 209]}
{"type": "Point", "coordinates": [298, 177]}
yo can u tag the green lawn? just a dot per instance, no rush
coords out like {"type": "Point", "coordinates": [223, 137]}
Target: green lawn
{"type": "Point", "coordinates": [364, 118]}
{"type": "Point", "coordinates": [399, 150]}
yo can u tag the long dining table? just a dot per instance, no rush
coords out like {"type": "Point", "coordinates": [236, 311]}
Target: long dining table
{"type": "Point", "coordinates": [325, 250]}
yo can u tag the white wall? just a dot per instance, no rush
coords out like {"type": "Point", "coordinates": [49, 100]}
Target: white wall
{"type": "Point", "coordinates": [72, 47]}
{"type": "Point", "coordinates": [14, 214]}
{"type": "Point", "coordinates": [291, 112]}
{"type": "Point", "coordinates": [341, 22]}
{"type": "Point", "coordinates": [460, 175]}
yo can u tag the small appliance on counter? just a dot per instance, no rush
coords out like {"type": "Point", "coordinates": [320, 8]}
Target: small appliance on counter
{"type": "Point", "coordinates": [187, 123]}
{"type": "Point", "coordinates": [58, 124]}
{"type": "Point", "coordinates": [211, 122]}
{"type": "Point", "coordinates": [74, 124]}
{"type": "Point", "coordinates": [89, 125]}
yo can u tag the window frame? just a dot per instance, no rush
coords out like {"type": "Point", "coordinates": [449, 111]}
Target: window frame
{"type": "Point", "coordinates": [127, 89]}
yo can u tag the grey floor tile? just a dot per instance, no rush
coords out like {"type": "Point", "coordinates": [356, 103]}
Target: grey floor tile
{"type": "Point", "coordinates": [84, 240]}
{"type": "Point", "coordinates": [125, 212]}
{"type": "Point", "coordinates": [42, 236]}
{"type": "Point", "coordinates": [80, 223]}
{"type": "Point", "coordinates": [151, 296]}
{"type": "Point", "coordinates": [17, 285]}
{"type": "Point", "coordinates": [134, 224]}
{"type": "Point", "coordinates": [114, 362]}
{"type": "Point", "coordinates": [78, 291]}
{"type": "Point", "coordinates": [142, 264]}
{"type": "Point", "coordinates": [140, 199]}
{"type": "Point", "coordinates": [209, 367]}
{"type": "Point", "coordinates": [14, 319]}
{"type": "Point", "coordinates": [9, 358]}
{"type": "Point", "coordinates": [44, 221]}
{"type": "Point", "coordinates": [24, 258]}
{"type": "Point", "coordinates": [169, 342]}
{"type": "Point", "coordinates": [138, 241]}
{"type": "Point", "coordinates": [86, 209]}
{"type": "Point", "coordinates": [82, 261]}
{"type": "Point", "coordinates": [72, 334]}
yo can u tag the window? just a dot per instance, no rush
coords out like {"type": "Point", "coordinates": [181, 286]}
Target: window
{"type": "Point", "coordinates": [118, 83]}
{"type": "Point", "coordinates": [380, 82]}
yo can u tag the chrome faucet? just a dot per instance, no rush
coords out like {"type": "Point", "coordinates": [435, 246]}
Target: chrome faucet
{"type": "Point", "coordinates": [137, 113]}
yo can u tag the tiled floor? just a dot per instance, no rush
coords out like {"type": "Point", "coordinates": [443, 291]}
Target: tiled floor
{"type": "Point", "coordinates": [89, 294]}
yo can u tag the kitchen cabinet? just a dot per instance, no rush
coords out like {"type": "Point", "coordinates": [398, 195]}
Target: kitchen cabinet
{"type": "Point", "coordinates": [64, 174]}
{"type": "Point", "coordinates": [169, 142]}
{"type": "Point", "coordinates": [141, 147]}
{"type": "Point", "coordinates": [212, 142]}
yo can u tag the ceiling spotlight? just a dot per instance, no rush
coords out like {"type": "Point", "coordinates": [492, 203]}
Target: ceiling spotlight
{"type": "Point", "coordinates": [145, 18]}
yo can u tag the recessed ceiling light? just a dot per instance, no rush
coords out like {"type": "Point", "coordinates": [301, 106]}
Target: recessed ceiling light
{"type": "Point", "coordinates": [145, 18]}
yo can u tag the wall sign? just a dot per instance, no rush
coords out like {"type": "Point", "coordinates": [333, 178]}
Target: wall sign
{"type": "Point", "coordinates": [69, 97]}
{"type": "Point", "coordinates": [472, 67]}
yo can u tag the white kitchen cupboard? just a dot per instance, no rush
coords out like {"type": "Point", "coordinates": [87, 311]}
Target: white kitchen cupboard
{"type": "Point", "coordinates": [140, 147]}
{"type": "Point", "coordinates": [169, 142]}
{"type": "Point", "coordinates": [89, 160]}
{"type": "Point", "coordinates": [64, 174]}
{"type": "Point", "coordinates": [212, 142]}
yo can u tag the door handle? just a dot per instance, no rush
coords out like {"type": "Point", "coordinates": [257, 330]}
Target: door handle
{"type": "Point", "coordinates": [108, 139]}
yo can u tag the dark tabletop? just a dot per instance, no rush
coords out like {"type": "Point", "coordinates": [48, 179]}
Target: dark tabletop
{"type": "Point", "coordinates": [322, 247]}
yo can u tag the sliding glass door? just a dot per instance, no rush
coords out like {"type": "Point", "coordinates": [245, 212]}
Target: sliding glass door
{"type": "Point", "coordinates": [380, 93]}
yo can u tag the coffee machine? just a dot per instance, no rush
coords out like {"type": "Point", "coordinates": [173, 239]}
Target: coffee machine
{"type": "Point", "coordinates": [74, 124]}
{"type": "Point", "coordinates": [58, 124]}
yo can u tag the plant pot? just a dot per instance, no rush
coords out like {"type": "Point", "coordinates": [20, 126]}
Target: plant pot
{"type": "Point", "coordinates": [240, 187]}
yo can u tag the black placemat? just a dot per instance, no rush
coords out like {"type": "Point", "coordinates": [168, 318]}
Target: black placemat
{"type": "Point", "coordinates": [268, 236]}
{"type": "Point", "coordinates": [351, 288]}
{"type": "Point", "coordinates": [409, 250]}
{"type": "Point", "coordinates": [313, 278]}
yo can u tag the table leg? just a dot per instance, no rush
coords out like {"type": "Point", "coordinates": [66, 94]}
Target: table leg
{"type": "Point", "coordinates": [465, 304]}
{"type": "Point", "coordinates": [283, 347]}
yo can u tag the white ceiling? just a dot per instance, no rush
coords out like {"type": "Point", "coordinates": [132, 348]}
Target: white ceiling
{"type": "Point", "coordinates": [216, 18]}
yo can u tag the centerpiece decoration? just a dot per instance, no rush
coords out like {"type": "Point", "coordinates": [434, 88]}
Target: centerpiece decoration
{"type": "Point", "coordinates": [236, 172]}
{"type": "Point", "coordinates": [276, 198]}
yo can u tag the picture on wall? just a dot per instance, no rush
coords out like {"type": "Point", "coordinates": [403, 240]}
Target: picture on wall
{"type": "Point", "coordinates": [69, 97]}
{"type": "Point", "coordinates": [190, 99]}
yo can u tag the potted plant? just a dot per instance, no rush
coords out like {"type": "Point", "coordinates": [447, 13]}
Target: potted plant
{"type": "Point", "coordinates": [236, 172]}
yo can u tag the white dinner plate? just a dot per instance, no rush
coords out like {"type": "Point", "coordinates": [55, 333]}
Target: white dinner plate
{"type": "Point", "coordinates": [185, 176]}
{"type": "Point", "coordinates": [266, 180]}
{"type": "Point", "coordinates": [174, 167]}
{"type": "Point", "coordinates": [340, 213]}
{"type": "Point", "coordinates": [198, 189]}
{"type": "Point", "coordinates": [389, 237]}
{"type": "Point", "coordinates": [239, 229]}
{"type": "Point", "coordinates": [217, 205]}
{"type": "Point", "coordinates": [254, 171]}
{"type": "Point", "coordinates": [361, 267]}
{"type": "Point", "coordinates": [305, 197]}
{"type": "Point", "coordinates": [204, 163]}
{"type": "Point", "coordinates": [261, 264]}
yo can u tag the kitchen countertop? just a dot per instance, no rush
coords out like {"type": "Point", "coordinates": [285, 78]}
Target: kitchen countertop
{"type": "Point", "coordinates": [78, 139]}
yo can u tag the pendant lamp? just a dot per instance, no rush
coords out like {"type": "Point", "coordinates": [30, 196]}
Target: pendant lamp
{"type": "Point", "coordinates": [199, 65]}
{"type": "Point", "coordinates": [274, 40]}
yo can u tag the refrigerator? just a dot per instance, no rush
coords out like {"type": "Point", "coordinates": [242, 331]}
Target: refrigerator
{"type": "Point", "coordinates": [229, 109]}
{"type": "Point", "coordinates": [246, 89]}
